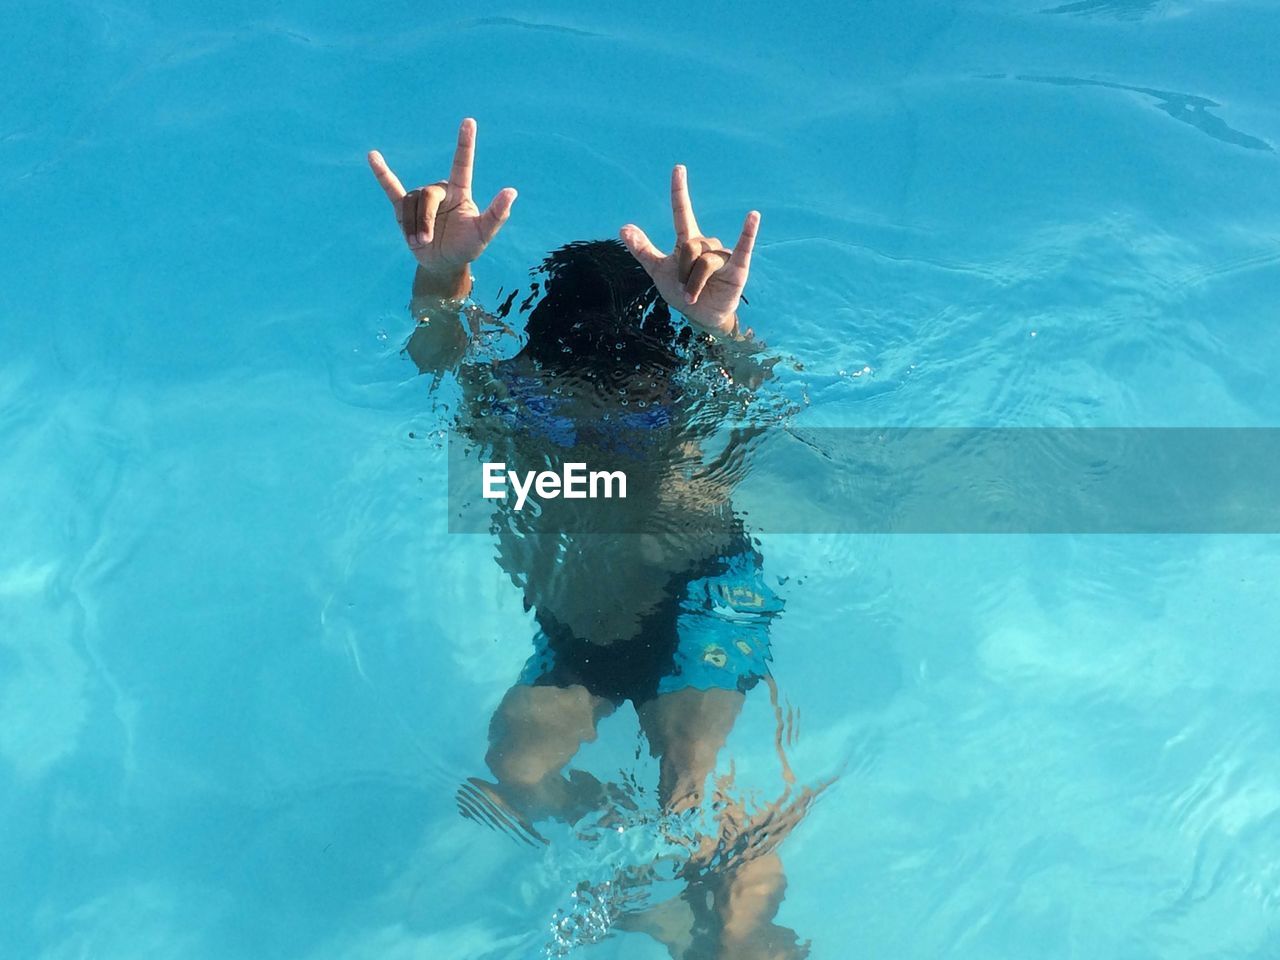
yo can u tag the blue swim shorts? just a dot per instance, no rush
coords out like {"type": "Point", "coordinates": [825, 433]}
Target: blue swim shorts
{"type": "Point", "coordinates": [712, 632]}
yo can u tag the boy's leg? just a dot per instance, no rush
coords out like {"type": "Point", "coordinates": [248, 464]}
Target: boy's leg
{"type": "Point", "coordinates": [686, 729]}
{"type": "Point", "coordinates": [533, 735]}
{"type": "Point", "coordinates": [670, 922]}
{"type": "Point", "coordinates": [747, 898]}
{"type": "Point", "coordinates": [725, 916]}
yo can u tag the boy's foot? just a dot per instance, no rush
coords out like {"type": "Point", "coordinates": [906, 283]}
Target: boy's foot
{"type": "Point", "coordinates": [483, 802]}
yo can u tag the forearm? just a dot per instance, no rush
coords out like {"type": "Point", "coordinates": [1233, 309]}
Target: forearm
{"type": "Point", "coordinates": [445, 284]}
{"type": "Point", "coordinates": [451, 329]}
{"type": "Point", "coordinates": [745, 359]}
{"type": "Point", "coordinates": [444, 331]}
{"type": "Point", "coordinates": [439, 341]}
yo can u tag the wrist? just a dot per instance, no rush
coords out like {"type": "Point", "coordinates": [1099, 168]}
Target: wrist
{"type": "Point", "coordinates": [723, 328]}
{"type": "Point", "coordinates": [447, 283]}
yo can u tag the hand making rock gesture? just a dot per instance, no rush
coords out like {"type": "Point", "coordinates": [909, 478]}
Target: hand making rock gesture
{"type": "Point", "coordinates": [701, 277]}
{"type": "Point", "coordinates": [441, 223]}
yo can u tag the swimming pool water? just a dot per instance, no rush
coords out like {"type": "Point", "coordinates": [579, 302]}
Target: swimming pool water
{"type": "Point", "coordinates": [243, 667]}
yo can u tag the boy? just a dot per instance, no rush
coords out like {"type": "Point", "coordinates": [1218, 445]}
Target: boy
{"type": "Point", "coordinates": [674, 617]}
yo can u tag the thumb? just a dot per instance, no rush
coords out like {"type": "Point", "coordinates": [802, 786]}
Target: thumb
{"type": "Point", "coordinates": [641, 247]}
{"type": "Point", "coordinates": [389, 182]}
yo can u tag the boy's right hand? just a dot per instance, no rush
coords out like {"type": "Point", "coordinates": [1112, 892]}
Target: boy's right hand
{"type": "Point", "coordinates": [441, 223]}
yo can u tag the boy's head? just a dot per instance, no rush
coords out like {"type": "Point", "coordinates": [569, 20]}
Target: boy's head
{"type": "Point", "coordinates": [600, 314]}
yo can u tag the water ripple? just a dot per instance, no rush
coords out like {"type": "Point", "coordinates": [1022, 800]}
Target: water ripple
{"type": "Point", "coordinates": [1183, 107]}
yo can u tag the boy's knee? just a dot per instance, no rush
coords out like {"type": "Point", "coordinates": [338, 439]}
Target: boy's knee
{"type": "Point", "coordinates": [537, 730]}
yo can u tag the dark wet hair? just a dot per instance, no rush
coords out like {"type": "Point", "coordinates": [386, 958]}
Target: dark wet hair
{"type": "Point", "coordinates": [598, 310]}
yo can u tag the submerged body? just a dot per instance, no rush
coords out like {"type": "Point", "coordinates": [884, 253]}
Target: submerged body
{"type": "Point", "coordinates": [666, 580]}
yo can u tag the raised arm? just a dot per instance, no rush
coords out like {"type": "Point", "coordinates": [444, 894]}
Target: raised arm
{"type": "Point", "coordinates": [446, 232]}
{"type": "Point", "coordinates": [443, 227]}
{"type": "Point", "coordinates": [701, 277]}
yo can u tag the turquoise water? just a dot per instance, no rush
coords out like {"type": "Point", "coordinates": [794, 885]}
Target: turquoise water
{"type": "Point", "coordinates": [243, 667]}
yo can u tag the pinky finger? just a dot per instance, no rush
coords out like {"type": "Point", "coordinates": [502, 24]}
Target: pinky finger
{"type": "Point", "coordinates": [746, 241]}
{"type": "Point", "coordinates": [491, 220]}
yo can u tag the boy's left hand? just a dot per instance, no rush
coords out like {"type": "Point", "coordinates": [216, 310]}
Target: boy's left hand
{"type": "Point", "coordinates": [701, 277]}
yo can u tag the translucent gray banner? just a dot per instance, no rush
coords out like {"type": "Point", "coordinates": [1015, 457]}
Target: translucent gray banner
{"type": "Point", "coordinates": [902, 480]}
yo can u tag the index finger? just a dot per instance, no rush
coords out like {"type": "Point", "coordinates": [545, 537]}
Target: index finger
{"type": "Point", "coordinates": [681, 205]}
{"type": "Point", "coordinates": [464, 156]}
{"type": "Point", "coordinates": [390, 184]}
{"type": "Point", "coordinates": [746, 241]}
